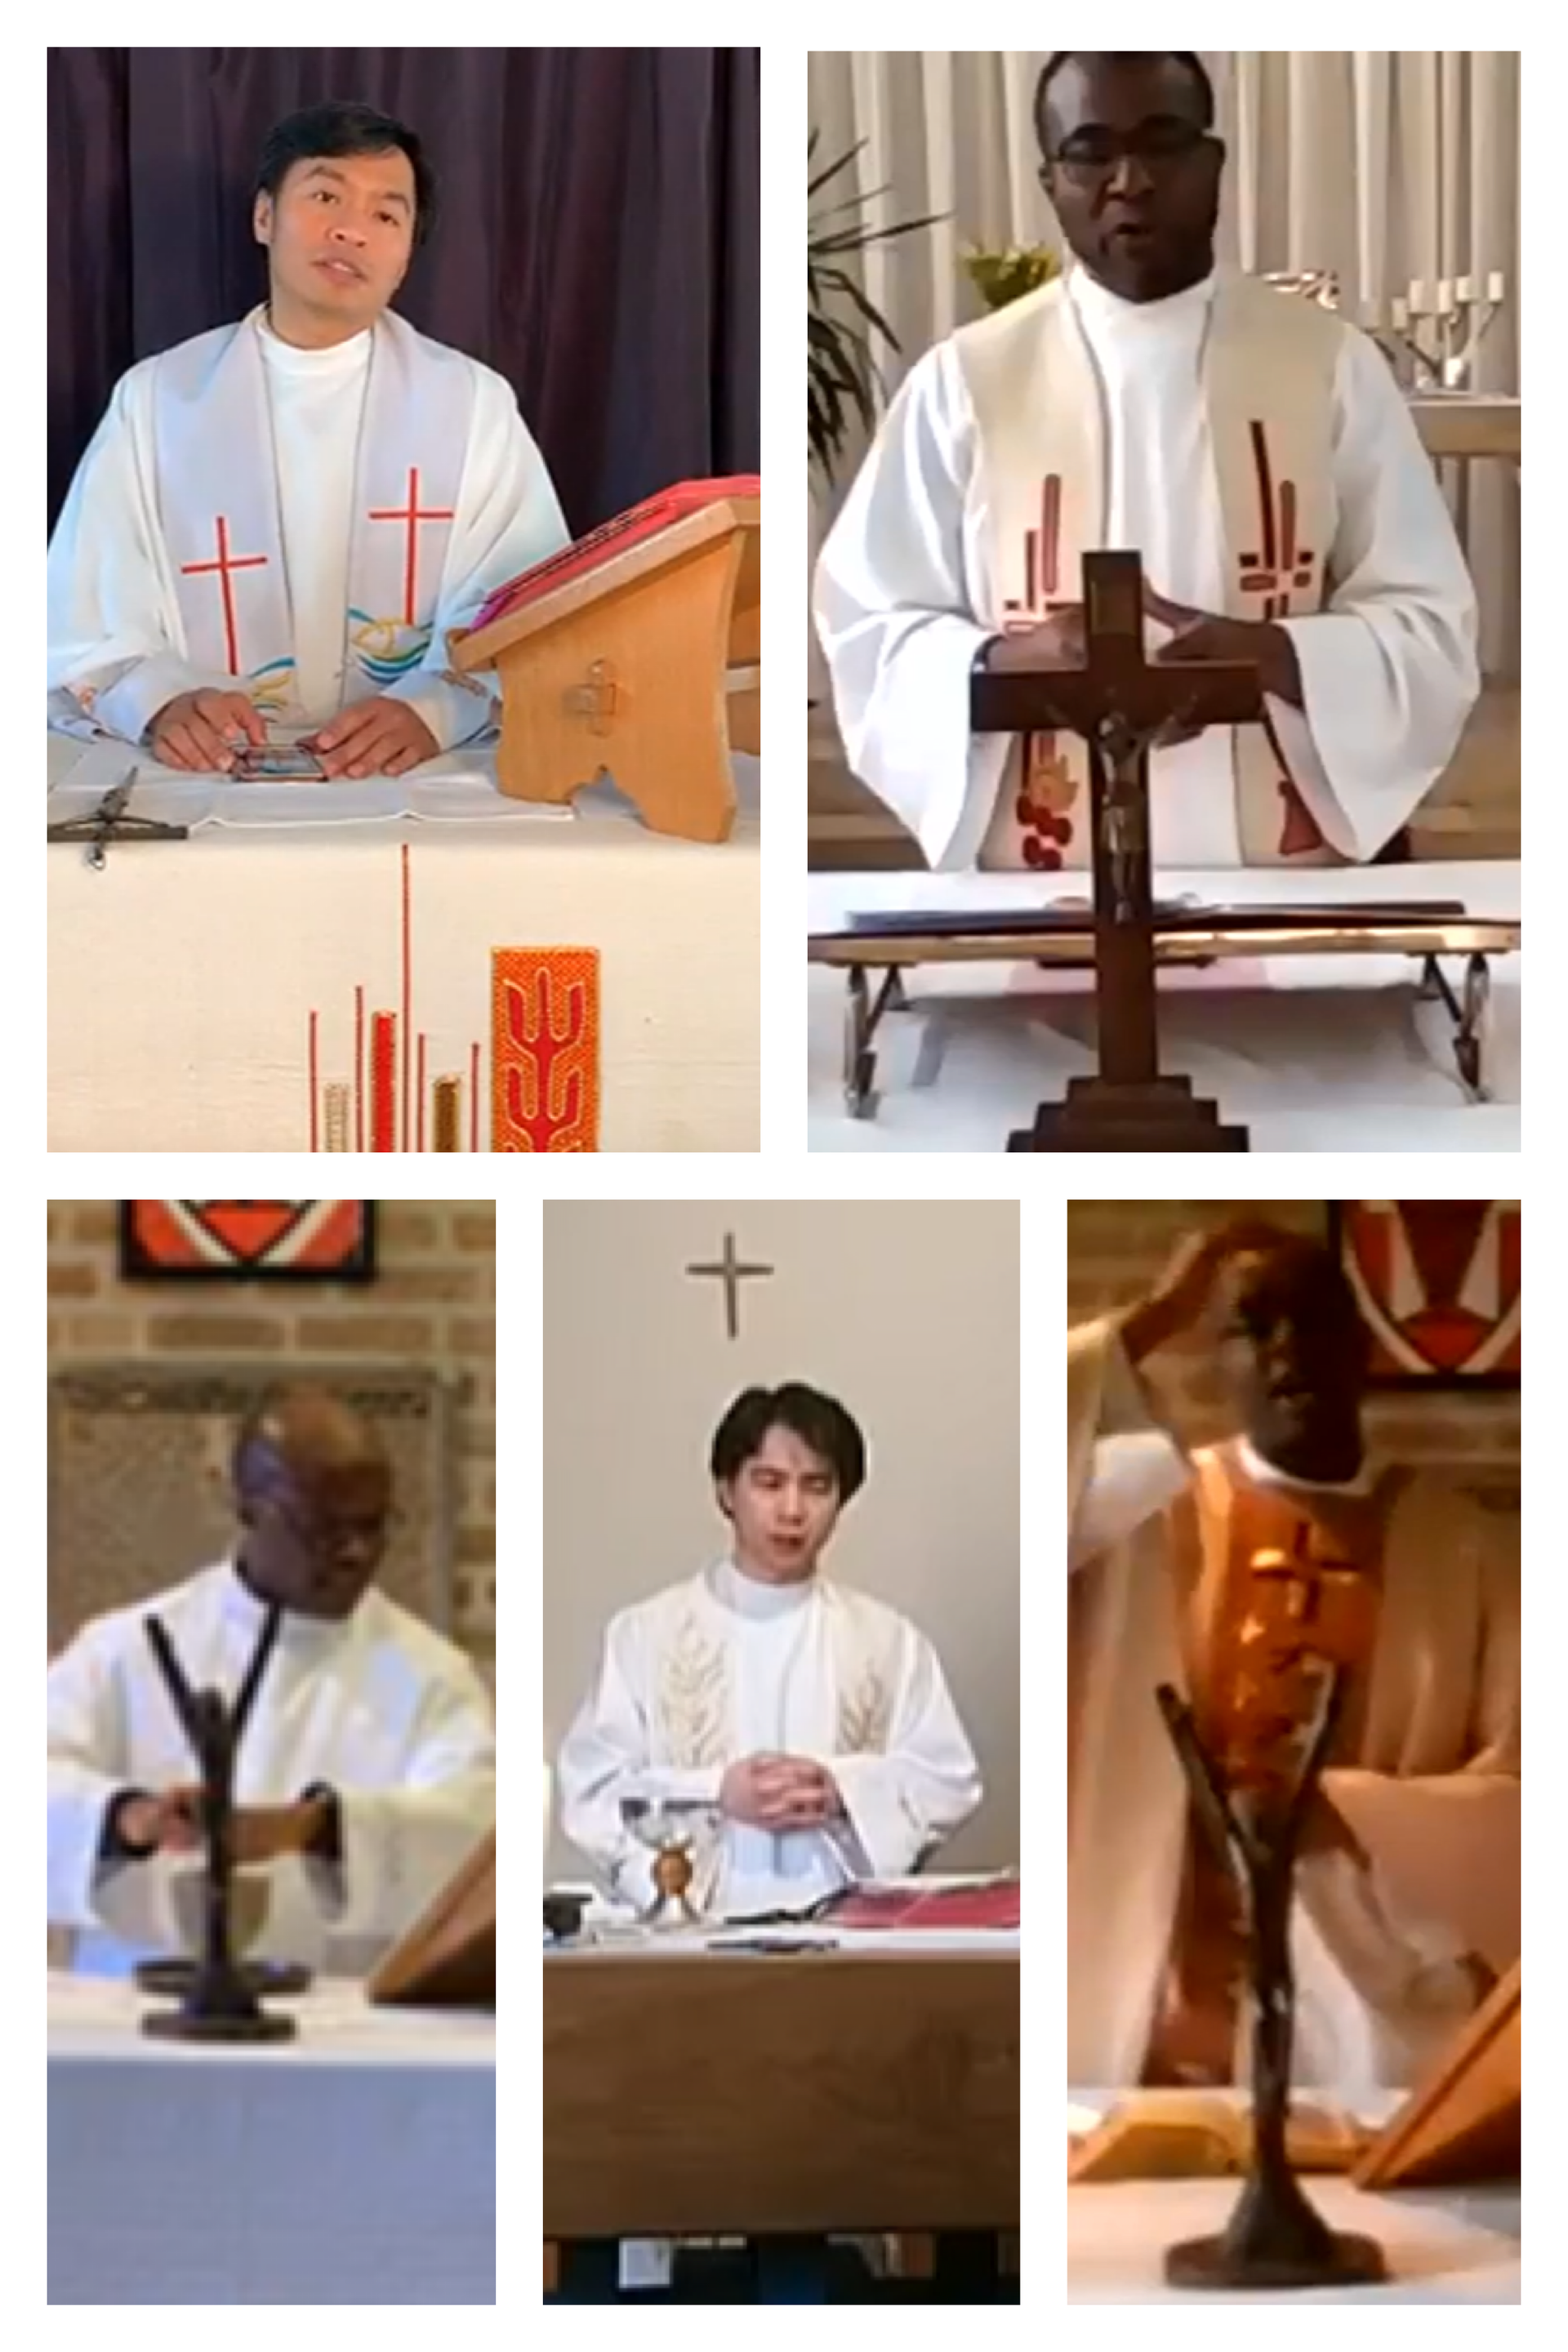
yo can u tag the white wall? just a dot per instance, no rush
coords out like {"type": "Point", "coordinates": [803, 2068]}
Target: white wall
{"type": "Point", "coordinates": [907, 1311]}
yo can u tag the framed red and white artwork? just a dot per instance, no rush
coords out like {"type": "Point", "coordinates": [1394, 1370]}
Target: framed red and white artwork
{"type": "Point", "coordinates": [319, 1241]}
{"type": "Point", "coordinates": [1438, 1284]}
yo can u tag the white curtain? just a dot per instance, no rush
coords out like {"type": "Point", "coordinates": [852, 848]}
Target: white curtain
{"type": "Point", "coordinates": [1383, 166]}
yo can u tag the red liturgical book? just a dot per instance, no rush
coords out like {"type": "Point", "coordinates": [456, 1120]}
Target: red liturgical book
{"type": "Point", "coordinates": [993, 1903]}
{"type": "Point", "coordinates": [614, 538]}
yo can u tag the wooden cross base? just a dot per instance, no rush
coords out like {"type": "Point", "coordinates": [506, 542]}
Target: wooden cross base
{"type": "Point", "coordinates": [1100, 1115]}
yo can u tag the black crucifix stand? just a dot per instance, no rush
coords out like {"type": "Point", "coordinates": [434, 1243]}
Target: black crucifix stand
{"type": "Point", "coordinates": [1120, 703]}
{"type": "Point", "coordinates": [220, 2002]}
{"type": "Point", "coordinates": [1275, 2238]}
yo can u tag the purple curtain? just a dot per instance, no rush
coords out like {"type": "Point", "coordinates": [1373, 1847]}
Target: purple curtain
{"type": "Point", "coordinates": [596, 243]}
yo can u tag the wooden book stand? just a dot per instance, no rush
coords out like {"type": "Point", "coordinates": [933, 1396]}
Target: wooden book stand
{"type": "Point", "coordinates": [638, 651]}
{"type": "Point", "coordinates": [447, 1959]}
{"type": "Point", "coordinates": [1463, 2125]}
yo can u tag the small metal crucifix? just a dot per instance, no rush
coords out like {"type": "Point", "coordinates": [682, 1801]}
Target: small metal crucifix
{"type": "Point", "coordinates": [732, 1271]}
{"type": "Point", "coordinates": [111, 821]}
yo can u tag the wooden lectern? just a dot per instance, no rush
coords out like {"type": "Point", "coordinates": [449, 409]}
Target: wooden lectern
{"type": "Point", "coordinates": [1463, 2125]}
{"type": "Point", "coordinates": [636, 651]}
{"type": "Point", "coordinates": [447, 1959]}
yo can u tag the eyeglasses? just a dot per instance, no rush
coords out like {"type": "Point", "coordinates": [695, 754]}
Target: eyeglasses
{"type": "Point", "coordinates": [327, 1538]}
{"type": "Point", "coordinates": [1092, 155]}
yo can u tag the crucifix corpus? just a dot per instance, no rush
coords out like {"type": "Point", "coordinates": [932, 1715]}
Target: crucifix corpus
{"type": "Point", "coordinates": [732, 1271]}
{"type": "Point", "coordinates": [1120, 704]}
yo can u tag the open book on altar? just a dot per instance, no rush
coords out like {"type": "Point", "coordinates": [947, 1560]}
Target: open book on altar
{"type": "Point", "coordinates": [635, 652]}
{"type": "Point", "coordinates": [965, 1903]}
{"type": "Point", "coordinates": [447, 1959]}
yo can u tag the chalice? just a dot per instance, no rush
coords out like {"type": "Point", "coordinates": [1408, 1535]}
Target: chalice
{"type": "Point", "coordinates": [679, 1832]}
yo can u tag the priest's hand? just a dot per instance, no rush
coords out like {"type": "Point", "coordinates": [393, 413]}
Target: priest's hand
{"type": "Point", "coordinates": [780, 1792]}
{"type": "Point", "coordinates": [262, 1834]}
{"type": "Point", "coordinates": [383, 737]}
{"type": "Point", "coordinates": [1055, 643]}
{"type": "Point", "coordinates": [1182, 1296]}
{"type": "Point", "coordinates": [168, 1824]}
{"type": "Point", "coordinates": [201, 731]}
{"type": "Point", "coordinates": [1215, 637]}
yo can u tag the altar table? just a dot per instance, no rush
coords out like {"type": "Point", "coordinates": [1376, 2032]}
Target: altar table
{"type": "Point", "coordinates": [1444, 2245]}
{"type": "Point", "coordinates": [355, 2165]}
{"type": "Point", "coordinates": [698, 2094]}
{"type": "Point", "coordinates": [1312, 1052]}
{"type": "Point", "coordinates": [193, 985]}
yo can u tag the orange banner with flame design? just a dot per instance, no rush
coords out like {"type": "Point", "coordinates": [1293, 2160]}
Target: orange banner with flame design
{"type": "Point", "coordinates": [544, 1049]}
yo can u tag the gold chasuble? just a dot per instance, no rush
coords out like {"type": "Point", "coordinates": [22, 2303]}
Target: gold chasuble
{"type": "Point", "coordinates": [1267, 369]}
{"type": "Point", "coordinates": [1289, 1589]}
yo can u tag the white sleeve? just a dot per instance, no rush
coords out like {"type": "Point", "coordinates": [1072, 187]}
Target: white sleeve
{"type": "Point", "coordinates": [606, 1755]}
{"type": "Point", "coordinates": [902, 1804]}
{"type": "Point", "coordinates": [402, 1845]}
{"type": "Point", "coordinates": [1389, 671]}
{"type": "Point", "coordinates": [897, 626]}
{"type": "Point", "coordinates": [116, 656]}
{"type": "Point", "coordinates": [1132, 1478]}
{"type": "Point", "coordinates": [509, 519]}
{"type": "Point", "coordinates": [83, 1778]}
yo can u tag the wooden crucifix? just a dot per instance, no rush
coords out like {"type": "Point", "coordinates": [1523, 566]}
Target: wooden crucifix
{"type": "Point", "coordinates": [1120, 703]}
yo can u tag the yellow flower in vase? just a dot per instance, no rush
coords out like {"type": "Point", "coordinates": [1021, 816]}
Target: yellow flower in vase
{"type": "Point", "coordinates": [1003, 277]}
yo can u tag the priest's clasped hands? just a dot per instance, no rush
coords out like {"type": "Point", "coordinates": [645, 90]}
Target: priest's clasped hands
{"type": "Point", "coordinates": [204, 731]}
{"type": "Point", "coordinates": [171, 1823]}
{"type": "Point", "coordinates": [780, 1792]}
{"type": "Point", "coordinates": [1058, 643]}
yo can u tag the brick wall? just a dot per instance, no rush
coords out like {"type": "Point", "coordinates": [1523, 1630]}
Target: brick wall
{"type": "Point", "coordinates": [432, 1304]}
{"type": "Point", "coordinates": [1115, 1248]}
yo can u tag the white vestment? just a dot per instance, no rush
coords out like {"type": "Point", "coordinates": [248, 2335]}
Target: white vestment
{"type": "Point", "coordinates": [378, 1707]}
{"type": "Point", "coordinates": [1380, 1989]}
{"type": "Point", "coordinates": [908, 590]}
{"type": "Point", "coordinates": [304, 526]}
{"type": "Point", "coordinates": [722, 1668]}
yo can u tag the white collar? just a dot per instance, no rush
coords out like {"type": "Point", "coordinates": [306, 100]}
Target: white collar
{"type": "Point", "coordinates": [297, 359]}
{"type": "Point", "coordinates": [1268, 1474]}
{"type": "Point", "coordinates": [1099, 307]}
{"type": "Point", "coordinates": [733, 1589]}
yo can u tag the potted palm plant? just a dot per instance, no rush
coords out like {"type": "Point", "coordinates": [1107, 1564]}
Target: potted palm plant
{"type": "Point", "coordinates": [844, 326]}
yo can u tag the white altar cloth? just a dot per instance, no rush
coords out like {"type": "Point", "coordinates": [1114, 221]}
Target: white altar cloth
{"type": "Point", "coordinates": [355, 2165]}
{"type": "Point", "coordinates": [1448, 2245]}
{"type": "Point", "coordinates": [182, 976]}
{"type": "Point", "coordinates": [1312, 1052]}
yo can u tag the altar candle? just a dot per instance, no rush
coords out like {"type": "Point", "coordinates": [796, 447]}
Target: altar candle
{"type": "Point", "coordinates": [1495, 286]}
{"type": "Point", "coordinates": [1417, 297]}
{"type": "Point", "coordinates": [1445, 297]}
{"type": "Point", "coordinates": [1399, 313]}
{"type": "Point", "coordinates": [1464, 290]}
{"type": "Point", "coordinates": [1371, 316]}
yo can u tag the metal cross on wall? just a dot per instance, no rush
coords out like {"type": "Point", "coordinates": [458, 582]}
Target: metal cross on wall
{"type": "Point", "coordinates": [732, 1271]}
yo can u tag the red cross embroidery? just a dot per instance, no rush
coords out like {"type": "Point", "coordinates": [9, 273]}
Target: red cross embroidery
{"type": "Point", "coordinates": [1282, 564]}
{"type": "Point", "coordinates": [1045, 835]}
{"type": "Point", "coordinates": [226, 564]}
{"type": "Point", "coordinates": [413, 514]}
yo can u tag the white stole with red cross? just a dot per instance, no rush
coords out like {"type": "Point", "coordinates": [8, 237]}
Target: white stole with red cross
{"type": "Point", "coordinates": [217, 495]}
{"type": "Point", "coordinates": [1266, 372]}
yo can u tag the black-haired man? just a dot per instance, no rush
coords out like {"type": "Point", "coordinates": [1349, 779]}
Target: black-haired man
{"type": "Point", "coordinates": [1252, 446]}
{"type": "Point", "coordinates": [281, 519]}
{"type": "Point", "coordinates": [817, 1720]}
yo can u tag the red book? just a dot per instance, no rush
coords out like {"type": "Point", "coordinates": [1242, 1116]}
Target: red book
{"type": "Point", "coordinates": [613, 538]}
{"type": "Point", "coordinates": [995, 1903]}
